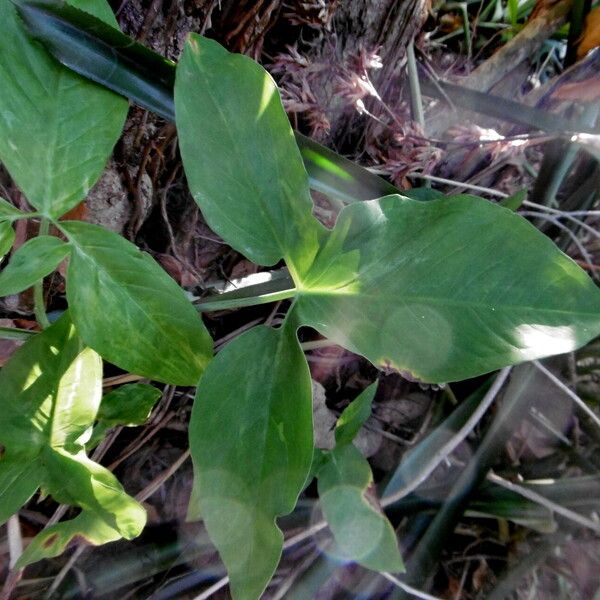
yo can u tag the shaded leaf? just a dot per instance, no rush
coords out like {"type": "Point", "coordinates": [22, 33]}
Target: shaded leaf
{"type": "Point", "coordinates": [354, 416]}
{"type": "Point", "coordinates": [19, 480]}
{"type": "Point", "coordinates": [362, 532]}
{"type": "Point", "coordinates": [130, 311]}
{"type": "Point", "coordinates": [128, 405]}
{"type": "Point", "coordinates": [417, 458]}
{"type": "Point", "coordinates": [7, 237]}
{"type": "Point", "coordinates": [35, 259]}
{"type": "Point", "coordinates": [251, 443]}
{"type": "Point", "coordinates": [56, 128]}
{"type": "Point", "coordinates": [241, 161]}
{"type": "Point", "coordinates": [446, 289]}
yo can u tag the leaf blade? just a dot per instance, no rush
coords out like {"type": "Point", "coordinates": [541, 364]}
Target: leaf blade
{"type": "Point", "coordinates": [48, 143]}
{"type": "Point", "coordinates": [450, 280]}
{"type": "Point", "coordinates": [354, 416]}
{"type": "Point", "coordinates": [361, 530]}
{"type": "Point", "coordinates": [160, 335]}
{"type": "Point", "coordinates": [252, 450]}
{"type": "Point", "coordinates": [250, 184]}
{"type": "Point", "coordinates": [35, 259]}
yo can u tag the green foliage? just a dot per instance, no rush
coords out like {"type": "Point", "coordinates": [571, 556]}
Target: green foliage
{"type": "Point", "coordinates": [34, 260]}
{"type": "Point", "coordinates": [252, 187]}
{"type": "Point", "coordinates": [253, 470]}
{"type": "Point", "coordinates": [49, 396]}
{"type": "Point", "coordinates": [109, 276]}
{"type": "Point", "coordinates": [361, 531]}
{"type": "Point", "coordinates": [441, 288]}
{"type": "Point", "coordinates": [56, 128]}
{"type": "Point", "coordinates": [128, 405]}
{"type": "Point", "coordinates": [7, 237]}
{"type": "Point", "coordinates": [469, 286]}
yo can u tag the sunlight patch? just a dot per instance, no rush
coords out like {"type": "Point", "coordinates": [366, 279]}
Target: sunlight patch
{"type": "Point", "coordinates": [541, 340]}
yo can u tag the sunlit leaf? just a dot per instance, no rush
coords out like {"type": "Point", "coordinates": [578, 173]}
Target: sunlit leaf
{"type": "Point", "coordinates": [362, 532]}
{"type": "Point", "coordinates": [354, 416]}
{"type": "Point", "coordinates": [241, 161]}
{"type": "Point", "coordinates": [104, 54]}
{"type": "Point", "coordinates": [251, 443]}
{"type": "Point", "coordinates": [32, 261]}
{"type": "Point", "coordinates": [50, 392]}
{"type": "Point", "coordinates": [56, 128]}
{"type": "Point", "coordinates": [55, 539]}
{"type": "Point", "coordinates": [130, 311]}
{"type": "Point", "coordinates": [446, 289]}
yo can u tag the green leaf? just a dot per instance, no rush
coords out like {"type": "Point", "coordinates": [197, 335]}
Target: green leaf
{"type": "Point", "coordinates": [103, 54]}
{"type": "Point", "coordinates": [34, 260]}
{"type": "Point", "coordinates": [56, 128]}
{"type": "Point", "coordinates": [515, 201]}
{"type": "Point", "coordinates": [19, 480]}
{"type": "Point", "coordinates": [9, 212]}
{"type": "Point", "coordinates": [354, 416]}
{"type": "Point", "coordinates": [7, 237]}
{"type": "Point", "coordinates": [241, 161]}
{"type": "Point", "coordinates": [77, 480]}
{"type": "Point", "coordinates": [361, 530]}
{"type": "Point", "coordinates": [50, 391]}
{"type": "Point", "coordinates": [446, 289]}
{"type": "Point", "coordinates": [128, 405]}
{"type": "Point", "coordinates": [251, 443]}
{"type": "Point", "coordinates": [54, 540]}
{"type": "Point", "coordinates": [130, 311]}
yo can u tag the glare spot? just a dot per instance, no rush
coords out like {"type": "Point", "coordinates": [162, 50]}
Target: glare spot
{"type": "Point", "coordinates": [543, 340]}
{"type": "Point", "coordinates": [267, 94]}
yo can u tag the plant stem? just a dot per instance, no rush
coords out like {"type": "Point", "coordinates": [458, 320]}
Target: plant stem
{"type": "Point", "coordinates": [38, 288]}
{"type": "Point", "coordinates": [215, 303]}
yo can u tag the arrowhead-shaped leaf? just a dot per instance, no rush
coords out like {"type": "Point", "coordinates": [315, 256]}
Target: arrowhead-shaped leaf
{"type": "Point", "coordinates": [34, 260]}
{"type": "Point", "coordinates": [49, 396]}
{"type": "Point", "coordinates": [130, 311]}
{"type": "Point", "coordinates": [56, 128]}
{"type": "Point", "coordinates": [251, 442]}
{"type": "Point", "coordinates": [362, 532]}
{"type": "Point", "coordinates": [241, 161]}
{"type": "Point", "coordinates": [446, 289]}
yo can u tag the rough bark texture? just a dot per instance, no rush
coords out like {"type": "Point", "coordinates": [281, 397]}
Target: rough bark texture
{"type": "Point", "coordinates": [388, 24]}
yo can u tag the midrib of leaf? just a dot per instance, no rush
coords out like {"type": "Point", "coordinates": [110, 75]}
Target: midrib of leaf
{"type": "Point", "coordinates": [53, 129]}
{"type": "Point", "coordinates": [440, 301]}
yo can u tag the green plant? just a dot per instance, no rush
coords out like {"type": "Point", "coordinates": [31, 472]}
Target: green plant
{"type": "Point", "coordinates": [439, 289]}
